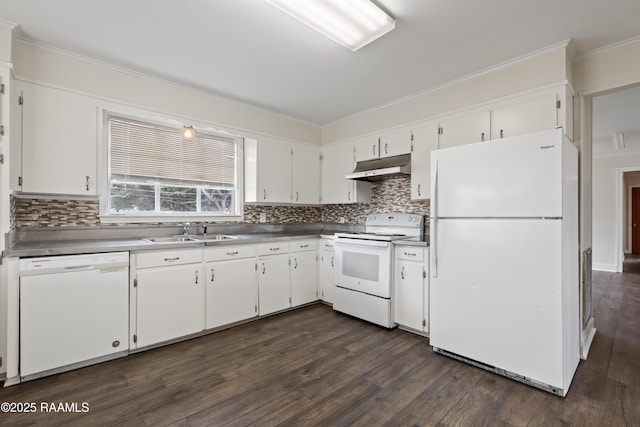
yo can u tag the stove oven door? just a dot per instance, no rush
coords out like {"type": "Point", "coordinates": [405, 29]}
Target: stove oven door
{"type": "Point", "coordinates": [363, 266]}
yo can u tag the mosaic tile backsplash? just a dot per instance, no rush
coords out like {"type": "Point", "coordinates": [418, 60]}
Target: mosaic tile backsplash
{"type": "Point", "coordinates": [393, 195]}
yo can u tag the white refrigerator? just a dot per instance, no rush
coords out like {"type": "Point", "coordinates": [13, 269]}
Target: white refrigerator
{"type": "Point", "coordinates": [504, 285]}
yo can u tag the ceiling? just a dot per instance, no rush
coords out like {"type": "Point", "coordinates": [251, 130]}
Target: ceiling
{"type": "Point", "coordinates": [616, 122]}
{"type": "Point", "coordinates": [251, 52]}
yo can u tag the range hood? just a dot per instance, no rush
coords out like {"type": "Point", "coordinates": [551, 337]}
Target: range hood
{"type": "Point", "coordinates": [379, 169]}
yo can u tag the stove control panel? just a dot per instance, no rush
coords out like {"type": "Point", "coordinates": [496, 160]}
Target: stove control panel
{"type": "Point", "coordinates": [394, 220]}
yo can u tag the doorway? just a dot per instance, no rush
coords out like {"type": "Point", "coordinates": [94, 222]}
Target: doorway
{"type": "Point", "coordinates": [634, 230]}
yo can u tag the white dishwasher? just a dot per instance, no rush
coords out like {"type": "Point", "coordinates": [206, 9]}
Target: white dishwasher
{"type": "Point", "coordinates": [74, 311]}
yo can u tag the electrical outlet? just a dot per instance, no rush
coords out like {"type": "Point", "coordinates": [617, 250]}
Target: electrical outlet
{"type": "Point", "coordinates": [341, 220]}
{"type": "Point", "coordinates": [263, 217]}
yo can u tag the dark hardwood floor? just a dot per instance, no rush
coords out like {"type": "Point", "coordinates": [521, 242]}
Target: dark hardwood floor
{"type": "Point", "coordinates": [314, 367]}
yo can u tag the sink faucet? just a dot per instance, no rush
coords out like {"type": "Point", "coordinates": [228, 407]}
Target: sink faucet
{"type": "Point", "coordinates": [185, 228]}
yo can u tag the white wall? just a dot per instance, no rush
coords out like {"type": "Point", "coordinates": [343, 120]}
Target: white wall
{"type": "Point", "coordinates": [541, 69]}
{"type": "Point", "coordinates": [64, 70]}
{"type": "Point", "coordinates": [607, 210]}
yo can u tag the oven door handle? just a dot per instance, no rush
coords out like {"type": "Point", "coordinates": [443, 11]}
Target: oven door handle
{"type": "Point", "coordinates": [361, 242]}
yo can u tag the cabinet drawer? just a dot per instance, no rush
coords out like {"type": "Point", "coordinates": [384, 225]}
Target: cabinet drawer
{"type": "Point", "coordinates": [410, 253]}
{"type": "Point", "coordinates": [326, 244]}
{"type": "Point", "coordinates": [273, 248]}
{"type": "Point", "coordinates": [304, 245]}
{"type": "Point", "coordinates": [229, 252]}
{"type": "Point", "coordinates": [164, 258]}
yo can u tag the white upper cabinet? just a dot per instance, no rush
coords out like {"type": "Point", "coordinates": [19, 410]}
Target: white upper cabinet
{"type": "Point", "coordinates": [273, 171]}
{"type": "Point", "coordinates": [389, 143]}
{"type": "Point", "coordinates": [337, 161]}
{"type": "Point", "coordinates": [464, 129]}
{"type": "Point", "coordinates": [367, 148]}
{"type": "Point", "coordinates": [305, 174]}
{"type": "Point", "coordinates": [395, 142]}
{"type": "Point", "coordinates": [425, 139]}
{"type": "Point", "coordinates": [278, 171]}
{"type": "Point", "coordinates": [59, 138]}
{"type": "Point", "coordinates": [540, 111]}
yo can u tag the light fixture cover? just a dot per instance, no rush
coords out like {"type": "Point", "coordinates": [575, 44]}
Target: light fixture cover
{"type": "Point", "coordinates": [188, 133]}
{"type": "Point", "coordinates": [351, 23]}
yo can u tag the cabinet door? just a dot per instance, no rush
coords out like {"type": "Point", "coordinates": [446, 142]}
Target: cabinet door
{"type": "Point", "coordinates": [274, 164]}
{"type": "Point", "coordinates": [523, 117]}
{"type": "Point", "coordinates": [169, 303]}
{"type": "Point", "coordinates": [367, 148]}
{"type": "Point", "coordinates": [304, 278]}
{"type": "Point", "coordinates": [59, 136]}
{"type": "Point", "coordinates": [395, 142]}
{"type": "Point", "coordinates": [274, 289]}
{"type": "Point", "coordinates": [408, 294]}
{"type": "Point", "coordinates": [425, 139]}
{"type": "Point", "coordinates": [337, 161]}
{"type": "Point", "coordinates": [325, 276]}
{"type": "Point", "coordinates": [306, 174]}
{"type": "Point", "coordinates": [465, 129]}
{"type": "Point", "coordinates": [231, 291]}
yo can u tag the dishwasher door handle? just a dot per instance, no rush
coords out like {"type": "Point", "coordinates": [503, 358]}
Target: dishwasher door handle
{"type": "Point", "coordinates": [79, 268]}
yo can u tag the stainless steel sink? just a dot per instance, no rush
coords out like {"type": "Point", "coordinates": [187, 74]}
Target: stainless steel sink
{"type": "Point", "coordinates": [170, 239]}
{"type": "Point", "coordinates": [215, 237]}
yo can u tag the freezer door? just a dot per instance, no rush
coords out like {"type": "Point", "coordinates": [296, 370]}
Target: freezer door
{"type": "Point", "coordinates": [512, 177]}
{"type": "Point", "coordinates": [497, 297]}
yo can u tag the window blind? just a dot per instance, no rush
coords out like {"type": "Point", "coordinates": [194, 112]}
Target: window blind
{"type": "Point", "coordinates": [146, 150]}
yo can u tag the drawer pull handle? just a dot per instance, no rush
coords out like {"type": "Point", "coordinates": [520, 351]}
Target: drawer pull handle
{"type": "Point", "coordinates": [304, 246]}
{"type": "Point", "coordinates": [232, 253]}
{"type": "Point", "coordinates": [274, 249]}
{"type": "Point", "coordinates": [410, 254]}
{"type": "Point", "coordinates": [172, 259]}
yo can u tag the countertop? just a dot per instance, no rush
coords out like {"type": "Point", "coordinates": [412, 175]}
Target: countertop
{"type": "Point", "coordinates": [102, 243]}
{"type": "Point", "coordinates": [73, 247]}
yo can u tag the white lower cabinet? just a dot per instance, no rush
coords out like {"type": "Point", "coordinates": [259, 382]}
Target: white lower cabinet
{"type": "Point", "coordinates": [274, 287]}
{"type": "Point", "coordinates": [411, 290]}
{"type": "Point", "coordinates": [325, 270]}
{"type": "Point", "coordinates": [304, 272]}
{"type": "Point", "coordinates": [169, 294]}
{"type": "Point", "coordinates": [231, 285]}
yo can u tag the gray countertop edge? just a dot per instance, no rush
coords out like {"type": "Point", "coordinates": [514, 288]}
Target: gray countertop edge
{"type": "Point", "coordinates": [136, 245]}
{"type": "Point", "coordinates": [421, 243]}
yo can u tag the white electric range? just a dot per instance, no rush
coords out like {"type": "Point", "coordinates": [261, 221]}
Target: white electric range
{"type": "Point", "coordinates": [364, 266]}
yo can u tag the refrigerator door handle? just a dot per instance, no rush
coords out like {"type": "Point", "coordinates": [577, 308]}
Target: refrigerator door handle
{"type": "Point", "coordinates": [434, 225]}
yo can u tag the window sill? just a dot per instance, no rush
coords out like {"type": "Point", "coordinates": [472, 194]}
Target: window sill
{"type": "Point", "coordinates": [163, 219]}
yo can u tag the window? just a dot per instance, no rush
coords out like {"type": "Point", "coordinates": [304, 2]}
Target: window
{"type": "Point", "coordinates": [154, 172]}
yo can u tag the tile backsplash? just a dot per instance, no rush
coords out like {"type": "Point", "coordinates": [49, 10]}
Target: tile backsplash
{"type": "Point", "coordinates": [393, 195]}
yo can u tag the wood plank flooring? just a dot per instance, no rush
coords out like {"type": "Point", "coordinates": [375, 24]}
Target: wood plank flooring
{"type": "Point", "coordinates": [315, 367]}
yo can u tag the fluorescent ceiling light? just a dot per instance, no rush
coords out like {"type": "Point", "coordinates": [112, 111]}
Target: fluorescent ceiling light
{"type": "Point", "coordinates": [352, 23]}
